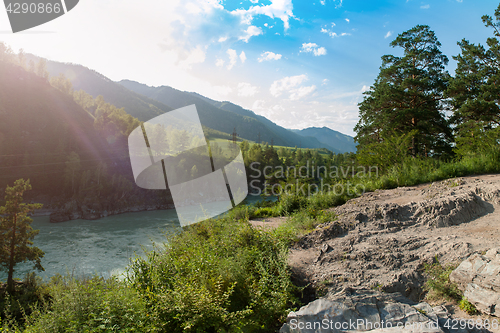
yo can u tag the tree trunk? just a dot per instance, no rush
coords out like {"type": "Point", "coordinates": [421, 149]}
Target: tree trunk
{"type": "Point", "coordinates": [10, 277]}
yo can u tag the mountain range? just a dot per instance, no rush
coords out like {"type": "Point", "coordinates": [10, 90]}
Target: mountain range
{"type": "Point", "coordinates": [222, 118]}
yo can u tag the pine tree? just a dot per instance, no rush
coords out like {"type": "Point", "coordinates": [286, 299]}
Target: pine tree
{"type": "Point", "coordinates": [16, 233]}
{"type": "Point", "coordinates": [475, 92]}
{"type": "Point", "coordinates": [408, 96]}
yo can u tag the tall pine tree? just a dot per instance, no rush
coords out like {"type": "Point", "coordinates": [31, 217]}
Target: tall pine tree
{"type": "Point", "coordinates": [407, 97]}
{"type": "Point", "coordinates": [475, 92]}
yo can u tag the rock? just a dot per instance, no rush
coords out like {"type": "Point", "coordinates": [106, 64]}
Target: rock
{"type": "Point", "coordinates": [360, 310]}
{"type": "Point", "coordinates": [58, 217]}
{"type": "Point", "coordinates": [479, 278]}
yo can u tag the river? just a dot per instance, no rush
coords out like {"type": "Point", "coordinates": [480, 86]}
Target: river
{"type": "Point", "coordinates": [103, 247]}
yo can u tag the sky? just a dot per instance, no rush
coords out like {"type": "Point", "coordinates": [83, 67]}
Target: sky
{"type": "Point", "coordinates": [300, 63]}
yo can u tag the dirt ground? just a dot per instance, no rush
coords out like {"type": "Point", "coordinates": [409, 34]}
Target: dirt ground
{"type": "Point", "coordinates": [382, 239]}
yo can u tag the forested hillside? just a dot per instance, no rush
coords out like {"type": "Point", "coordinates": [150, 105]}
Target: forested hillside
{"type": "Point", "coordinates": [96, 84]}
{"type": "Point", "coordinates": [72, 147]}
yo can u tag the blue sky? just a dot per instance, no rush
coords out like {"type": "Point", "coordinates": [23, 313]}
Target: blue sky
{"type": "Point", "coordinates": [299, 63]}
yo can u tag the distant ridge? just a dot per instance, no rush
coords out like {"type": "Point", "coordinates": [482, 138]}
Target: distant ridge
{"type": "Point", "coordinates": [226, 116]}
{"type": "Point", "coordinates": [327, 136]}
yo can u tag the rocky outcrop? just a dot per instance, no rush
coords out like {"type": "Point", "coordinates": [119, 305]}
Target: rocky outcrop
{"type": "Point", "coordinates": [479, 278]}
{"type": "Point", "coordinates": [359, 310]}
{"type": "Point", "coordinates": [86, 213]}
{"type": "Point", "coordinates": [384, 240]}
{"type": "Point", "coordinates": [438, 205]}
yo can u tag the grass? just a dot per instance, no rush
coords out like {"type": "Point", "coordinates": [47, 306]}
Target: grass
{"type": "Point", "coordinates": [439, 286]}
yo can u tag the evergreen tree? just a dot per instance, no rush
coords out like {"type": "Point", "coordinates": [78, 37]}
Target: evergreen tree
{"type": "Point", "coordinates": [41, 69]}
{"type": "Point", "coordinates": [408, 96]}
{"type": "Point", "coordinates": [475, 92]}
{"type": "Point", "coordinates": [16, 233]}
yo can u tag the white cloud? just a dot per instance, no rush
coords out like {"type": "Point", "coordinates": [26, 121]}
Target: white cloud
{"type": "Point", "coordinates": [314, 48]}
{"type": "Point", "coordinates": [322, 2]}
{"type": "Point", "coordinates": [233, 57]}
{"type": "Point", "coordinates": [301, 92]}
{"type": "Point", "coordinates": [320, 51]}
{"type": "Point", "coordinates": [266, 56]}
{"type": "Point", "coordinates": [388, 34]}
{"type": "Point", "coordinates": [291, 85]}
{"type": "Point", "coordinates": [325, 81]}
{"type": "Point", "coordinates": [425, 6]}
{"type": "Point", "coordinates": [334, 34]}
{"type": "Point", "coordinates": [250, 32]}
{"type": "Point", "coordinates": [195, 56]}
{"type": "Point", "coordinates": [222, 39]}
{"type": "Point", "coordinates": [243, 57]}
{"type": "Point", "coordinates": [219, 63]}
{"type": "Point", "coordinates": [254, 1]}
{"type": "Point", "coordinates": [282, 9]}
{"type": "Point", "coordinates": [347, 20]}
{"type": "Point", "coordinates": [245, 89]}
{"type": "Point", "coordinates": [286, 83]}
{"type": "Point", "coordinates": [258, 104]}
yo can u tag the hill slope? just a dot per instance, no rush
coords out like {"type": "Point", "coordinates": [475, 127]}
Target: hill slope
{"type": "Point", "coordinates": [96, 84]}
{"type": "Point", "coordinates": [39, 128]}
{"type": "Point", "coordinates": [344, 143]}
{"type": "Point", "coordinates": [225, 116]}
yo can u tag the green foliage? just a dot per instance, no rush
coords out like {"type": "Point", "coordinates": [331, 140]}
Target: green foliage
{"type": "Point", "coordinates": [467, 306]}
{"type": "Point", "coordinates": [90, 305]}
{"type": "Point", "coordinates": [290, 203]}
{"type": "Point", "coordinates": [391, 151]}
{"type": "Point", "coordinates": [474, 93]}
{"type": "Point", "coordinates": [438, 284]}
{"type": "Point", "coordinates": [62, 84]}
{"type": "Point", "coordinates": [15, 308]}
{"type": "Point", "coordinates": [407, 95]}
{"type": "Point", "coordinates": [217, 276]}
{"type": "Point", "coordinates": [16, 233]}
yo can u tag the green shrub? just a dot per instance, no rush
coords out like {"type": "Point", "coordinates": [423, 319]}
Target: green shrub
{"type": "Point", "coordinates": [265, 212]}
{"type": "Point", "coordinates": [467, 306]}
{"type": "Point", "coordinates": [217, 276]}
{"type": "Point", "coordinates": [290, 203]}
{"type": "Point", "coordinates": [93, 305]}
{"type": "Point", "coordinates": [438, 284]}
{"type": "Point", "coordinates": [16, 307]}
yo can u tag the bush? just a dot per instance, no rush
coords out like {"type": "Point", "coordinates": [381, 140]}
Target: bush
{"type": "Point", "coordinates": [93, 305]}
{"type": "Point", "coordinates": [16, 307]}
{"type": "Point", "coordinates": [467, 306]}
{"type": "Point", "coordinates": [438, 284]}
{"type": "Point", "coordinates": [290, 203]}
{"type": "Point", "coordinates": [217, 276]}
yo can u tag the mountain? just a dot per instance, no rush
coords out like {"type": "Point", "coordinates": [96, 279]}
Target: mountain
{"type": "Point", "coordinates": [96, 84]}
{"type": "Point", "coordinates": [304, 142]}
{"type": "Point", "coordinates": [226, 116]}
{"type": "Point", "coordinates": [344, 143]}
{"type": "Point", "coordinates": [40, 128]}
{"type": "Point", "coordinates": [220, 119]}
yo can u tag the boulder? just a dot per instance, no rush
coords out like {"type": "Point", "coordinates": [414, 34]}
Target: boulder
{"type": "Point", "coordinates": [479, 278]}
{"type": "Point", "coordinates": [360, 310]}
